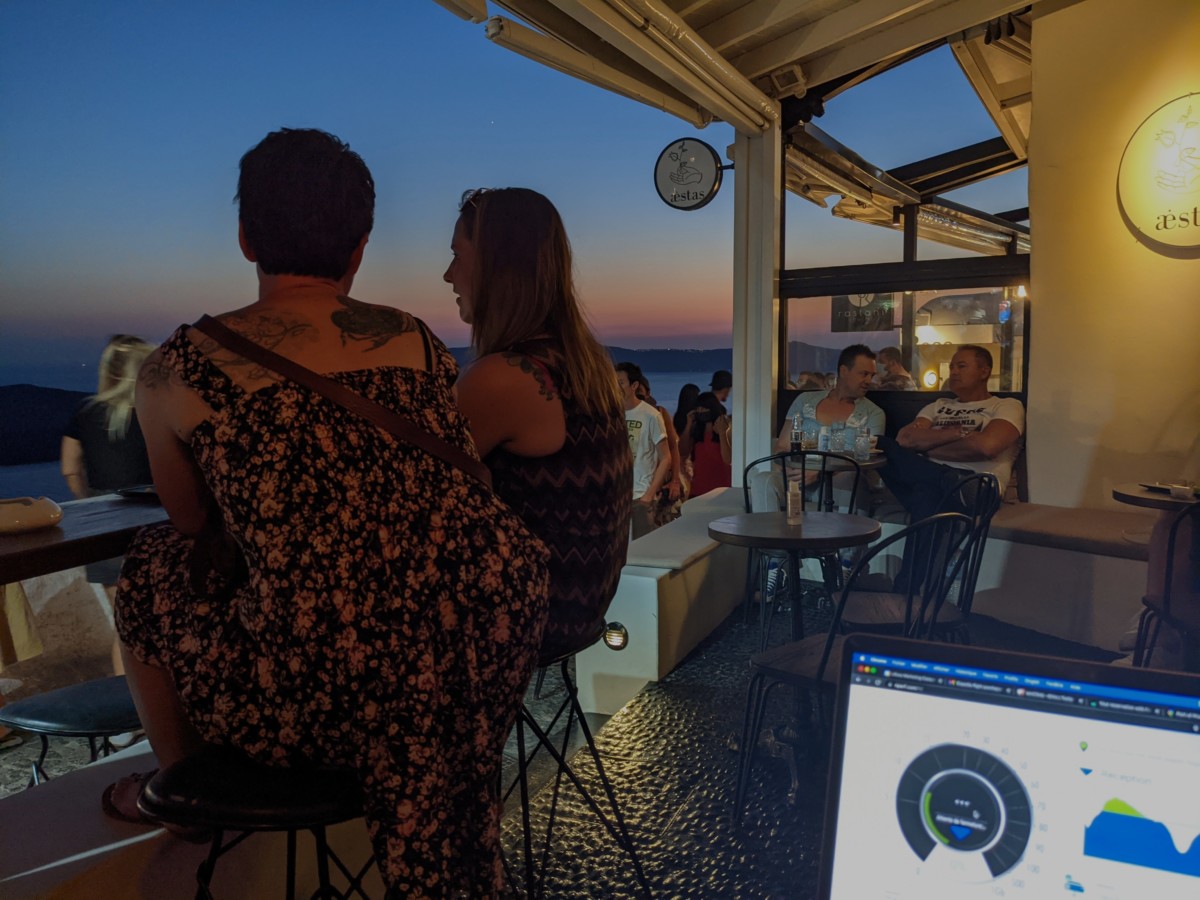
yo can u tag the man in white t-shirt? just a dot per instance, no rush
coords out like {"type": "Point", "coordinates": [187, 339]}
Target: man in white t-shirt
{"type": "Point", "coordinates": [975, 432]}
{"type": "Point", "coordinates": [647, 443]}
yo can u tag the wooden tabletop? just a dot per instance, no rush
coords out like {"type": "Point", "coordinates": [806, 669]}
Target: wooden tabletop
{"type": "Point", "coordinates": [1136, 495]}
{"type": "Point", "coordinates": [818, 531]}
{"type": "Point", "coordinates": [90, 530]}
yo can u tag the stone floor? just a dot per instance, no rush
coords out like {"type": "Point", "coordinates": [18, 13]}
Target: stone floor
{"type": "Point", "coordinates": [668, 754]}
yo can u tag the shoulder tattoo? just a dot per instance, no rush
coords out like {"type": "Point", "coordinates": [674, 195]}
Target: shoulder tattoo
{"type": "Point", "coordinates": [268, 330]}
{"type": "Point", "coordinates": [545, 385]}
{"type": "Point", "coordinates": [155, 374]}
{"type": "Point", "coordinates": [358, 321]}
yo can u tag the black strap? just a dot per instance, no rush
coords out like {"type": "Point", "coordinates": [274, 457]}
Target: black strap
{"type": "Point", "coordinates": [393, 423]}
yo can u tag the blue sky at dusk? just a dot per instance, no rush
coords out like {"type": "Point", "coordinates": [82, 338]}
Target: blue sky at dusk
{"type": "Point", "coordinates": [121, 125]}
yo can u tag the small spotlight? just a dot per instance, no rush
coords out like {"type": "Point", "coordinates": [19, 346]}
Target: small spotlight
{"type": "Point", "coordinates": [616, 636]}
{"type": "Point", "coordinates": [929, 378]}
{"type": "Point", "coordinates": [1021, 292]}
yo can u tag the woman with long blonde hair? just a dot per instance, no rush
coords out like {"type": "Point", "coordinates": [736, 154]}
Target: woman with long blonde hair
{"type": "Point", "coordinates": [542, 400]}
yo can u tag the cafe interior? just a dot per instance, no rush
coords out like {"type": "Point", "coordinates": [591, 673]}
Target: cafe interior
{"type": "Point", "coordinates": [1088, 299]}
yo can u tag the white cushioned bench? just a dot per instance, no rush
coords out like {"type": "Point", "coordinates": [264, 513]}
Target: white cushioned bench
{"type": "Point", "coordinates": [1072, 573]}
{"type": "Point", "coordinates": [677, 586]}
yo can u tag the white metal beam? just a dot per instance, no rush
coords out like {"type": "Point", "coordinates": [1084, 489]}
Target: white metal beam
{"type": "Point", "coordinates": [557, 55]}
{"type": "Point", "coordinates": [639, 46]}
{"type": "Point", "coordinates": [471, 10]}
{"type": "Point", "coordinates": [756, 202]}
{"type": "Point", "coordinates": [846, 41]}
{"type": "Point", "coordinates": [970, 57]}
{"type": "Point", "coordinates": [749, 20]}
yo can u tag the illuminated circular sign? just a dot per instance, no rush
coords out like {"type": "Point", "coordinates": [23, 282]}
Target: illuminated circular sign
{"type": "Point", "coordinates": [687, 174]}
{"type": "Point", "coordinates": [1158, 183]}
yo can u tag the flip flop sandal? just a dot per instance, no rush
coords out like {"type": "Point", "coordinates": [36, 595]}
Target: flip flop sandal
{"type": "Point", "coordinates": [11, 742]}
{"type": "Point", "coordinates": [119, 801]}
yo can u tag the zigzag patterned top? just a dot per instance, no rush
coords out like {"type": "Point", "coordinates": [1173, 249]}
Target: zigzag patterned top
{"type": "Point", "coordinates": [578, 501]}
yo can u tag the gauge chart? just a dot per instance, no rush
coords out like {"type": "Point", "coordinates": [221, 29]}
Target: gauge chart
{"type": "Point", "coordinates": [954, 799]}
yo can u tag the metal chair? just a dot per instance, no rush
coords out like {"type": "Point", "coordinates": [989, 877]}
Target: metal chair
{"type": "Point", "coordinates": [793, 464]}
{"type": "Point", "coordinates": [935, 544]}
{"type": "Point", "coordinates": [614, 636]}
{"type": "Point", "coordinates": [1178, 605]}
{"type": "Point", "coordinates": [223, 791]}
{"type": "Point", "coordinates": [96, 710]}
{"type": "Point", "coordinates": [976, 495]}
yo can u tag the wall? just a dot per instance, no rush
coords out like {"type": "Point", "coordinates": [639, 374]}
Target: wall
{"type": "Point", "coordinates": [1115, 351]}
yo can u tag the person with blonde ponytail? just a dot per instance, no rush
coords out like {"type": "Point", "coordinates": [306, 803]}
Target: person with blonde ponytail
{"type": "Point", "coordinates": [542, 400]}
{"type": "Point", "coordinates": [103, 449]}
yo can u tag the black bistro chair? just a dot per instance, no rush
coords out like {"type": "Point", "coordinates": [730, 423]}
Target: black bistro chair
{"type": "Point", "coordinates": [935, 545]}
{"type": "Point", "coordinates": [615, 637]}
{"type": "Point", "coordinates": [817, 497]}
{"type": "Point", "coordinates": [96, 710]}
{"type": "Point", "coordinates": [976, 495]}
{"type": "Point", "coordinates": [221, 791]}
{"type": "Point", "coordinates": [1178, 604]}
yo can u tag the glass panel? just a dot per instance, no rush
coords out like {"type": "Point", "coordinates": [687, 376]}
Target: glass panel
{"type": "Point", "coordinates": [993, 318]}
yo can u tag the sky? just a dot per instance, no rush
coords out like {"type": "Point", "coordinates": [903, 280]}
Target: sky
{"type": "Point", "coordinates": [121, 126]}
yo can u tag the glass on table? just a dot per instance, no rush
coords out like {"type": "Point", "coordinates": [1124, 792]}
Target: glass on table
{"type": "Point", "coordinates": [862, 445]}
{"type": "Point", "coordinates": [808, 435]}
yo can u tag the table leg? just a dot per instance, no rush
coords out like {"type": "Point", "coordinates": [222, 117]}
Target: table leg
{"type": "Point", "coordinates": [797, 595]}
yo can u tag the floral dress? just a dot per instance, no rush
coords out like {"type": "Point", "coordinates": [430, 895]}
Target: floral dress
{"type": "Point", "coordinates": [389, 621]}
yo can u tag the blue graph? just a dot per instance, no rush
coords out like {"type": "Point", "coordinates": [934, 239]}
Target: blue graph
{"type": "Point", "coordinates": [1122, 834]}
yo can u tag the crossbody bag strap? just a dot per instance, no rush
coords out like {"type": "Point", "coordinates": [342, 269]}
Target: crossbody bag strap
{"type": "Point", "coordinates": [398, 426]}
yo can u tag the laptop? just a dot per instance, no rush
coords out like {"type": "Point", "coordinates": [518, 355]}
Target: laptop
{"type": "Point", "coordinates": [962, 773]}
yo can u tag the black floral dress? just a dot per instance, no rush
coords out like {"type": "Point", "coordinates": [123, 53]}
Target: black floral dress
{"type": "Point", "coordinates": [390, 619]}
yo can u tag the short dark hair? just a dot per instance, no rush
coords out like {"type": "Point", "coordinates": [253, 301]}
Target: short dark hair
{"type": "Point", "coordinates": [305, 201]}
{"type": "Point", "coordinates": [632, 371]}
{"type": "Point", "coordinates": [889, 354]}
{"type": "Point", "coordinates": [721, 379]}
{"type": "Point", "coordinates": [982, 355]}
{"type": "Point", "coordinates": [850, 354]}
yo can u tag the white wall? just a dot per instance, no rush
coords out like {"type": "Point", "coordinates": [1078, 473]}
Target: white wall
{"type": "Point", "coordinates": [1115, 351]}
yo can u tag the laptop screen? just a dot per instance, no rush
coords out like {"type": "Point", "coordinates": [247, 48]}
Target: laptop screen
{"type": "Point", "coordinates": [961, 773]}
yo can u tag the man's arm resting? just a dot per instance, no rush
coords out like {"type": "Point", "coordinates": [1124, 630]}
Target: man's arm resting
{"type": "Point", "coordinates": [660, 472]}
{"type": "Point", "coordinates": [920, 435]}
{"type": "Point", "coordinates": [997, 437]}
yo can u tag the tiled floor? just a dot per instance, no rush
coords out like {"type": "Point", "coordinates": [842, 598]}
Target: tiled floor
{"type": "Point", "coordinates": [668, 754]}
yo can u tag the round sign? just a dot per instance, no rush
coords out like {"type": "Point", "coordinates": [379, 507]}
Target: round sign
{"type": "Point", "coordinates": [1158, 183]}
{"type": "Point", "coordinates": [687, 174]}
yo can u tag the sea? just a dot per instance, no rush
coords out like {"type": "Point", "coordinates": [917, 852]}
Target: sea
{"type": "Point", "coordinates": [45, 479]}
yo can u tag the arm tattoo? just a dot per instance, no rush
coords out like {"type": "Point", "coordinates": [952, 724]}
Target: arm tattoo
{"type": "Point", "coordinates": [364, 322]}
{"type": "Point", "coordinates": [155, 374]}
{"type": "Point", "coordinates": [539, 372]}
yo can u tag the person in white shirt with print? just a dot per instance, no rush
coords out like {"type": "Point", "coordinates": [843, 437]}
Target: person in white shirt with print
{"type": "Point", "coordinates": [975, 432]}
{"type": "Point", "coordinates": [648, 444]}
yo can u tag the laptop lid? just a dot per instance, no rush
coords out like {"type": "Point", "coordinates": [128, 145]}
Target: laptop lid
{"type": "Point", "coordinates": [958, 772]}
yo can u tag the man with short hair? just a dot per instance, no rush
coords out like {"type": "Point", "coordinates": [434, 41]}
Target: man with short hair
{"type": "Point", "coordinates": [647, 443]}
{"type": "Point", "coordinates": [847, 402]}
{"type": "Point", "coordinates": [894, 376]}
{"type": "Point", "coordinates": [974, 432]}
{"type": "Point", "coordinates": [721, 384]}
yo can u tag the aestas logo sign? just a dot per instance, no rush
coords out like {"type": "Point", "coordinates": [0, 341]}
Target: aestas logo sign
{"type": "Point", "coordinates": [687, 174]}
{"type": "Point", "coordinates": [1158, 183]}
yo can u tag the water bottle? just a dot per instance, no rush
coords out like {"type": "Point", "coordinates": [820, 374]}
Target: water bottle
{"type": "Point", "coordinates": [823, 439]}
{"type": "Point", "coordinates": [837, 438]}
{"type": "Point", "coordinates": [796, 433]}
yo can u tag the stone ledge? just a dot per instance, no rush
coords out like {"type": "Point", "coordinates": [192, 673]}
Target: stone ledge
{"type": "Point", "coordinates": [1100, 532]}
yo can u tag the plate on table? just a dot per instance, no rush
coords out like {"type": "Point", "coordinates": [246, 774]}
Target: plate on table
{"type": "Point", "coordinates": [141, 493]}
{"type": "Point", "coordinates": [1157, 487]}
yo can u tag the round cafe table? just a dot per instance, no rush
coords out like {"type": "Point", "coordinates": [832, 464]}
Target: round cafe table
{"type": "Point", "coordinates": [817, 532]}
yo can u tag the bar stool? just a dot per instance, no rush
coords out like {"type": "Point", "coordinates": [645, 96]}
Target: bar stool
{"type": "Point", "coordinates": [96, 710]}
{"type": "Point", "coordinates": [615, 637]}
{"type": "Point", "coordinates": [223, 791]}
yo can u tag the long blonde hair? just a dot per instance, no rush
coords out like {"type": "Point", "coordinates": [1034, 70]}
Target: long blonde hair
{"type": "Point", "coordinates": [524, 287]}
{"type": "Point", "coordinates": [119, 364]}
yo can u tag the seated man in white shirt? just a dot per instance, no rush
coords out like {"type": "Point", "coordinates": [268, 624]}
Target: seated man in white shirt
{"type": "Point", "coordinates": [975, 432]}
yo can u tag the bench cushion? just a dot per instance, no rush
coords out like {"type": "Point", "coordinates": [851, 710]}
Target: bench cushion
{"type": "Point", "coordinates": [674, 545]}
{"type": "Point", "coordinates": [1097, 531]}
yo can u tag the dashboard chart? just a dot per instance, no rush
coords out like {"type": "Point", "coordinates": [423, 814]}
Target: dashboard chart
{"type": "Point", "coordinates": [958, 799]}
{"type": "Point", "coordinates": [1120, 833]}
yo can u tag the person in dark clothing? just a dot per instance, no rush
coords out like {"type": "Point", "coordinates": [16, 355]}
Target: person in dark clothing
{"type": "Point", "coordinates": [542, 400]}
